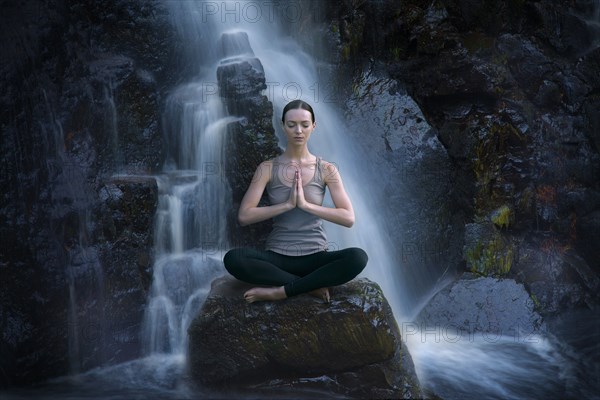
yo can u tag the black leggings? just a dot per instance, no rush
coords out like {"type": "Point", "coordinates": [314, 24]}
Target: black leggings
{"type": "Point", "coordinates": [297, 274]}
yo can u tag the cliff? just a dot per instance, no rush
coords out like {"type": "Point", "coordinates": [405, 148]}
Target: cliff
{"type": "Point", "coordinates": [486, 119]}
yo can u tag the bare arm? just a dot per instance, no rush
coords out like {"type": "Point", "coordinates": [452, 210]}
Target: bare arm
{"type": "Point", "coordinates": [342, 213]}
{"type": "Point", "coordinates": [249, 212]}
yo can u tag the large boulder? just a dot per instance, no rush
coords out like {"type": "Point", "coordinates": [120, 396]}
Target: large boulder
{"type": "Point", "coordinates": [351, 346]}
{"type": "Point", "coordinates": [483, 304]}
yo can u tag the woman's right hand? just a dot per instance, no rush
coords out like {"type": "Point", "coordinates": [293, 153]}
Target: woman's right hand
{"type": "Point", "coordinates": [293, 199]}
{"type": "Point", "coordinates": [250, 212]}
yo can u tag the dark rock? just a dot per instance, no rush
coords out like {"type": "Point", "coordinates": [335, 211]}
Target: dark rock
{"type": "Point", "coordinates": [74, 74]}
{"type": "Point", "coordinates": [240, 77]}
{"type": "Point", "coordinates": [482, 304]}
{"type": "Point", "coordinates": [527, 63]}
{"type": "Point", "coordinates": [587, 68]}
{"type": "Point", "coordinates": [351, 345]}
{"type": "Point", "coordinates": [240, 74]}
{"type": "Point", "coordinates": [590, 107]}
{"type": "Point", "coordinates": [567, 32]}
{"type": "Point", "coordinates": [252, 140]}
{"type": "Point", "coordinates": [588, 227]}
{"type": "Point", "coordinates": [558, 278]}
{"type": "Point", "coordinates": [110, 278]}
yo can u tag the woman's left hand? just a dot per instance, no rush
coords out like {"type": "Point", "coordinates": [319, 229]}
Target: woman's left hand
{"type": "Point", "coordinates": [300, 200]}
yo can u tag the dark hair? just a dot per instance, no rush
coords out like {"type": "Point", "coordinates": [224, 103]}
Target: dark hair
{"type": "Point", "coordinates": [295, 105]}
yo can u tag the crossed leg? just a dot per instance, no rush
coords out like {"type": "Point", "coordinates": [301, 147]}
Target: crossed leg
{"type": "Point", "coordinates": [289, 276]}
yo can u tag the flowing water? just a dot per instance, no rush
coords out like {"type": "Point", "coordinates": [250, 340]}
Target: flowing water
{"type": "Point", "coordinates": [190, 236]}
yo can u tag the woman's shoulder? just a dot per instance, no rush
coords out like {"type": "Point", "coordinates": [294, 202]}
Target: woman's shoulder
{"type": "Point", "coordinates": [329, 170]}
{"type": "Point", "coordinates": [327, 166]}
{"type": "Point", "coordinates": [263, 171]}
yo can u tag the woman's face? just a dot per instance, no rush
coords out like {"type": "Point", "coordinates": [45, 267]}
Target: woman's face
{"type": "Point", "coordinates": [298, 126]}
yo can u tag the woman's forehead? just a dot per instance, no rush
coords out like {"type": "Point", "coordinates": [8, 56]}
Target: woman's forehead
{"type": "Point", "coordinates": [298, 114]}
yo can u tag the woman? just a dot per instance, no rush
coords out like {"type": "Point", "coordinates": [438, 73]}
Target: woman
{"type": "Point", "coordinates": [296, 259]}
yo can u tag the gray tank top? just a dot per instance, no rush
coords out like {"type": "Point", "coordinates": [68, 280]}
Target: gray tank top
{"type": "Point", "coordinates": [296, 232]}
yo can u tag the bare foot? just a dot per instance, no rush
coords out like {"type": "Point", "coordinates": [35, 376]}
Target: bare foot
{"type": "Point", "coordinates": [321, 293]}
{"type": "Point", "coordinates": [264, 294]}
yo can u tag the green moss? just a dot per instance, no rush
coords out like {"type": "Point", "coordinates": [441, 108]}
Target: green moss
{"type": "Point", "coordinates": [490, 258]}
{"type": "Point", "coordinates": [494, 141]}
{"type": "Point", "coordinates": [536, 303]}
{"type": "Point", "coordinates": [396, 53]}
{"type": "Point", "coordinates": [501, 217]}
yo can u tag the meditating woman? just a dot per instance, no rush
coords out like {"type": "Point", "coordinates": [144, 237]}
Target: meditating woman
{"type": "Point", "coordinates": [296, 259]}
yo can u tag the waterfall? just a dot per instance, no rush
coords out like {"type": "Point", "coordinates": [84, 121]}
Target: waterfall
{"type": "Point", "coordinates": [594, 23]}
{"type": "Point", "coordinates": [190, 220]}
{"type": "Point", "coordinates": [194, 199]}
{"type": "Point", "coordinates": [111, 122]}
{"type": "Point", "coordinates": [194, 196]}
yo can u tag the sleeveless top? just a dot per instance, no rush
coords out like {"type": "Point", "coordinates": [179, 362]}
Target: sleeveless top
{"type": "Point", "coordinates": [296, 232]}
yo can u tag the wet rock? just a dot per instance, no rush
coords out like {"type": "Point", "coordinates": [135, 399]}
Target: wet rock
{"type": "Point", "coordinates": [557, 277]}
{"type": "Point", "coordinates": [487, 251]}
{"type": "Point", "coordinates": [589, 228]}
{"type": "Point", "coordinates": [252, 140]}
{"type": "Point", "coordinates": [351, 346]}
{"type": "Point", "coordinates": [574, 36]}
{"type": "Point", "coordinates": [240, 77]}
{"type": "Point", "coordinates": [483, 304]}
{"type": "Point", "coordinates": [527, 63]}
{"type": "Point", "coordinates": [239, 74]}
{"type": "Point", "coordinates": [81, 89]}
{"type": "Point", "coordinates": [587, 67]}
{"type": "Point", "coordinates": [127, 219]}
{"type": "Point", "coordinates": [109, 278]}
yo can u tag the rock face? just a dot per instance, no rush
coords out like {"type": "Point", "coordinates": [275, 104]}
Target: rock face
{"type": "Point", "coordinates": [508, 90]}
{"type": "Point", "coordinates": [482, 304]}
{"type": "Point", "coordinates": [351, 346]}
{"type": "Point", "coordinates": [82, 85]}
{"type": "Point", "coordinates": [418, 176]}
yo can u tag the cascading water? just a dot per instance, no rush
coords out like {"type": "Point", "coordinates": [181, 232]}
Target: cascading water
{"type": "Point", "coordinates": [111, 119]}
{"type": "Point", "coordinates": [589, 13]}
{"type": "Point", "coordinates": [190, 221]}
{"type": "Point", "coordinates": [191, 217]}
{"type": "Point", "coordinates": [85, 277]}
{"type": "Point", "coordinates": [594, 23]}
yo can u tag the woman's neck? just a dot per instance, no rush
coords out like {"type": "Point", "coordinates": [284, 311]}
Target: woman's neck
{"type": "Point", "coordinates": [297, 154]}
